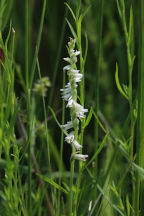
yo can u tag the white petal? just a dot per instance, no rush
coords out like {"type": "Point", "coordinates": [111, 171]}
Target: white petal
{"type": "Point", "coordinates": [67, 67]}
{"type": "Point", "coordinates": [70, 102]}
{"type": "Point", "coordinates": [69, 138]}
{"type": "Point", "coordinates": [80, 157]}
{"type": "Point", "coordinates": [79, 110]}
{"type": "Point", "coordinates": [77, 145]}
{"type": "Point", "coordinates": [67, 59]}
{"type": "Point", "coordinates": [68, 125]}
{"type": "Point", "coordinates": [66, 92]}
{"type": "Point", "coordinates": [90, 206]}
{"type": "Point", "coordinates": [75, 71]}
{"type": "Point", "coordinates": [77, 53]}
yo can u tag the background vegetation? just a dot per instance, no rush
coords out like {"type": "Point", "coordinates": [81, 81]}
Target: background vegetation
{"type": "Point", "coordinates": [33, 39]}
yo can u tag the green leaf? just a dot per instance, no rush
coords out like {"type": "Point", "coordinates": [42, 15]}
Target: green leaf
{"type": "Point", "coordinates": [34, 63]}
{"type": "Point", "coordinates": [130, 36]}
{"type": "Point", "coordinates": [79, 28]}
{"type": "Point", "coordinates": [140, 170]}
{"type": "Point", "coordinates": [70, 10]}
{"type": "Point", "coordinates": [50, 181]}
{"type": "Point", "coordinates": [13, 120]}
{"type": "Point", "coordinates": [98, 151]}
{"type": "Point", "coordinates": [8, 37]}
{"type": "Point", "coordinates": [119, 9]}
{"type": "Point", "coordinates": [57, 121]}
{"type": "Point", "coordinates": [118, 83]}
{"type": "Point", "coordinates": [86, 11]}
{"type": "Point", "coordinates": [98, 121]}
{"type": "Point", "coordinates": [113, 188]}
{"type": "Point", "coordinates": [88, 118]}
{"type": "Point", "coordinates": [86, 49]}
{"type": "Point", "coordinates": [109, 201]}
{"type": "Point", "coordinates": [72, 30]}
{"type": "Point", "coordinates": [128, 205]}
{"type": "Point", "coordinates": [125, 87]}
{"type": "Point", "coordinates": [5, 12]}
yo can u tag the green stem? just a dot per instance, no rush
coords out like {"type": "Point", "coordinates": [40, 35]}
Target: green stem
{"type": "Point", "coordinates": [71, 184]}
{"type": "Point", "coordinates": [78, 182]}
{"type": "Point", "coordinates": [57, 59]}
{"type": "Point", "coordinates": [97, 75]}
{"type": "Point", "coordinates": [27, 43]}
{"type": "Point", "coordinates": [29, 153]}
{"type": "Point", "coordinates": [140, 121]}
{"type": "Point", "coordinates": [38, 44]}
{"type": "Point", "coordinates": [128, 40]}
{"type": "Point", "coordinates": [45, 117]}
{"type": "Point", "coordinates": [28, 98]}
{"type": "Point", "coordinates": [61, 149]}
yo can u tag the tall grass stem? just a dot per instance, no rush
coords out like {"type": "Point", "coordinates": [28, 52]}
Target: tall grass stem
{"type": "Point", "coordinates": [61, 149]}
{"type": "Point", "coordinates": [57, 59]}
{"type": "Point", "coordinates": [140, 120]}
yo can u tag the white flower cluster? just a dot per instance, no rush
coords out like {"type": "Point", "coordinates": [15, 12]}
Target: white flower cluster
{"type": "Point", "coordinates": [69, 94]}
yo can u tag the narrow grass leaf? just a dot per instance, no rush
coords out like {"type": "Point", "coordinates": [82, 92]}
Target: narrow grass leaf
{"type": "Point", "coordinates": [8, 37]}
{"type": "Point", "coordinates": [57, 121]}
{"type": "Point", "coordinates": [88, 118]}
{"type": "Point", "coordinates": [86, 11]}
{"type": "Point", "coordinates": [54, 184]}
{"type": "Point", "coordinates": [72, 30]}
{"type": "Point", "coordinates": [140, 170]}
{"type": "Point", "coordinates": [70, 10]}
{"type": "Point", "coordinates": [128, 205]}
{"type": "Point", "coordinates": [13, 120]}
{"type": "Point", "coordinates": [98, 121]}
{"type": "Point", "coordinates": [79, 28]}
{"type": "Point", "coordinates": [38, 43]}
{"type": "Point", "coordinates": [98, 151]}
{"type": "Point", "coordinates": [86, 49]}
{"type": "Point", "coordinates": [130, 26]}
{"type": "Point", "coordinates": [6, 13]}
{"type": "Point", "coordinates": [109, 201]}
{"type": "Point", "coordinates": [118, 83]}
{"type": "Point", "coordinates": [119, 10]}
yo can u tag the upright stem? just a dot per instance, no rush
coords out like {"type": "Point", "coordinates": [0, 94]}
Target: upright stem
{"type": "Point", "coordinates": [82, 122]}
{"type": "Point", "coordinates": [57, 58]}
{"type": "Point", "coordinates": [45, 117]}
{"type": "Point", "coordinates": [27, 43]}
{"type": "Point", "coordinates": [28, 98]}
{"type": "Point", "coordinates": [71, 185]}
{"type": "Point", "coordinates": [61, 149]}
{"type": "Point", "coordinates": [38, 43]}
{"type": "Point", "coordinates": [140, 121]}
{"type": "Point", "coordinates": [97, 74]}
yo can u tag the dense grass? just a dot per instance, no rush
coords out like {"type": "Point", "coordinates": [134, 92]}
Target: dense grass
{"type": "Point", "coordinates": [38, 170]}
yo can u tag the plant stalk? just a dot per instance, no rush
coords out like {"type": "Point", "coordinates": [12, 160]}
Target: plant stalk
{"type": "Point", "coordinates": [140, 121]}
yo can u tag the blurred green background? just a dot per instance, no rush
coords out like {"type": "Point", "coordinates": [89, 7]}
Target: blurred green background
{"type": "Point", "coordinates": [55, 36]}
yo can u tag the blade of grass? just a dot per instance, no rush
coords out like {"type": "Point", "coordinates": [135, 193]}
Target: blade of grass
{"type": "Point", "coordinates": [98, 151]}
{"type": "Point", "coordinates": [38, 43]}
{"type": "Point", "coordinates": [61, 148]}
{"type": "Point", "coordinates": [50, 181]}
{"type": "Point", "coordinates": [97, 75]}
{"type": "Point", "coordinates": [58, 58]}
{"type": "Point", "coordinates": [140, 121]}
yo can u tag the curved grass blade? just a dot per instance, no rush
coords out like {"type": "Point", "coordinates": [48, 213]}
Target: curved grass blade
{"type": "Point", "coordinates": [118, 83]}
{"type": "Point", "coordinates": [54, 184]}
